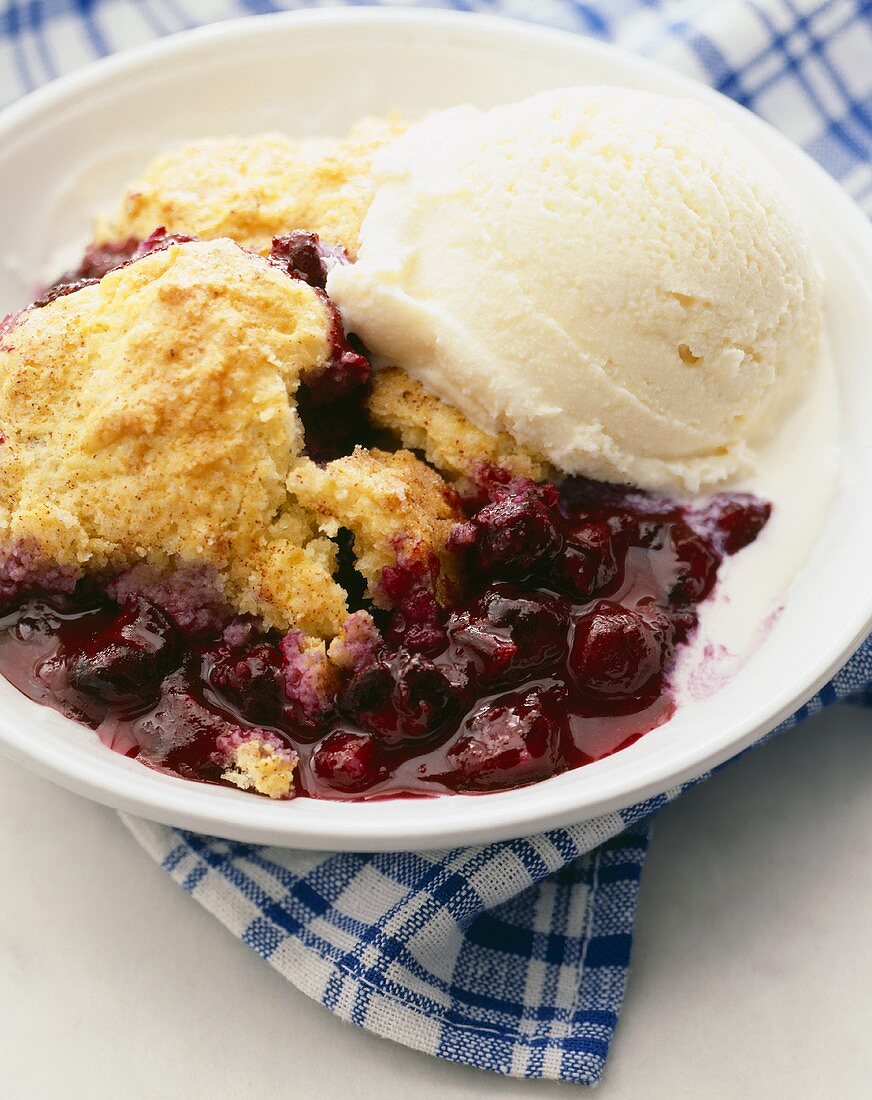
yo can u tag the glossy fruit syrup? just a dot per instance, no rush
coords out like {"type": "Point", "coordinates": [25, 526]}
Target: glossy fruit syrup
{"type": "Point", "coordinates": [558, 653]}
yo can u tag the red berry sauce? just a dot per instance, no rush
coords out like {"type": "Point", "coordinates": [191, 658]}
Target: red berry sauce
{"type": "Point", "coordinates": [558, 655]}
{"type": "Point", "coordinates": [330, 403]}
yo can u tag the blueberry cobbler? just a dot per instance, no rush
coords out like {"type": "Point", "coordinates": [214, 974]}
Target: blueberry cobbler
{"type": "Point", "coordinates": [255, 528]}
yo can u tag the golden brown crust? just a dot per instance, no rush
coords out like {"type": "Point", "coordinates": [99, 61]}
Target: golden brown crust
{"type": "Point", "coordinates": [261, 766]}
{"type": "Point", "coordinates": [400, 405]}
{"type": "Point", "coordinates": [252, 189]}
{"type": "Point", "coordinates": [151, 418]}
{"type": "Point", "coordinates": [382, 498]}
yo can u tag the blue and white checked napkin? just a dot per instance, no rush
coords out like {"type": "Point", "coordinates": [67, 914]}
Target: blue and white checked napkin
{"type": "Point", "coordinates": [511, 957]}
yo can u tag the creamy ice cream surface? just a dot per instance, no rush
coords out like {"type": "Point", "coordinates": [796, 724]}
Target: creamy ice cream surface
{"type": "Point", "coordinates": [615, 278]}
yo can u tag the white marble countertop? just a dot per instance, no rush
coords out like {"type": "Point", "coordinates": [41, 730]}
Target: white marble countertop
{"type": "Point", "coordinates": [751, 975]}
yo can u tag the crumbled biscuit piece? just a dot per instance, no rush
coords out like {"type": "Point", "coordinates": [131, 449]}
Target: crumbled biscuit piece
{"type": "Point", "coordinates": [192, 595]}
{"type": "Point", "coordinates": [307, 677]}
{"type": "Point", "coordinates": [288, 584]}
{"type": "Point", "coordinates": [259, 761]}
{"type": "Point", "coordinates": [381, 498]}
{"type": "Point", "coordinates": [355, 643]}
{"type": "Point", "coordinates": [252, 189]}
{"type": "Point", "coordinates": [151, 418]}
{"type": "Point", "coordinates": [400, 404]}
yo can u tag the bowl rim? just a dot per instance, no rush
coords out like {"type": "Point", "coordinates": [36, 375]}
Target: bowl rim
{"type": "Point", "coordinates": [361, 826]}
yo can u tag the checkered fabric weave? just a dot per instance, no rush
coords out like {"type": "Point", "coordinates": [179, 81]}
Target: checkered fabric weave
{"type": "Point", "coordinates": [510, 957]}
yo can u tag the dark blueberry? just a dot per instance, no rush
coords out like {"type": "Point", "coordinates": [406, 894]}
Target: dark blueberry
{"type": "Point", "coordinates": [348, 761]}
{"type": "Point", "coordinates": [331, 401]}
{"type": "Point", "coordinates": [158, 241]}
{"type": "Point", "coordinates": [305, 256]}
{"type": "Point", "coordinates": [493, 483]}
{"type": "Point", "coordinates": [250, 681]}
{"type": "Point", "coordinates": [511, 633]}
{"type": "Point", "coordinates": [738, 519]}
{"type": "Point", "coordinates": [512, 740]}
{"type": "Point", "coordinates": [591, 560]}
{"type": "Point", "coordinates": [514, 536]}
{"type": "Point", "coordinates": [126, 660]}
{"type": "Point", "coordinates": [694, 566]}
{"type": "Point", "coordinates": [417, 621]}
{"type": "Point", "coordinates": [181, 731]}
{"type": "Point", "coordinates": [618, 651]}
{"type": "Point", "coordinates": [63, 286]}
{"type": "Point", "coordinates": [400, 696]}
{"type": "Point", "coordinates": [100, 259]}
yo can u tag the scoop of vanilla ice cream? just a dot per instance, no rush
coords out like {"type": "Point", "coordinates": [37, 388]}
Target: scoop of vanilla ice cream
{"type": "Point", "coordinates": [616, 278]}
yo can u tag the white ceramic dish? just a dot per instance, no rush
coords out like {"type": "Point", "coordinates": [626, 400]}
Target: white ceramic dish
{"type": "Point", "coordinates": [69, 147]}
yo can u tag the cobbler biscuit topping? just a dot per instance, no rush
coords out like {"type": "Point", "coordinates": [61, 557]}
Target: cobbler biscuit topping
{"type": "Point", "coordinates": [252, 189]}
{"type": "Point", "coordinates": [400, 405]}
{"type": "Point", "coordinates": [386, 501]}
{"type": "Point", "coordinates": [151, 418]}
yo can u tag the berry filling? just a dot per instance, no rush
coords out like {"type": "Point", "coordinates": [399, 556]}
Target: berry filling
{"type": "Point", "coordinates": [100, 259]}
{"type": "Point", "coordinates": [554, 650]}
{"type": "Point", "coordinates": [558, 653]}
{"type": "Point", "coordinates": [331, 403]}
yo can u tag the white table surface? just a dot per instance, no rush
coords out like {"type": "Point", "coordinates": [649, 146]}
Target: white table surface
{"type": "Point", "coordinates": [752, 969]}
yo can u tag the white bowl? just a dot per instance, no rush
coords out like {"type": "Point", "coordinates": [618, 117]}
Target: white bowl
{"type": "Point", "coordinates": [69, 147]}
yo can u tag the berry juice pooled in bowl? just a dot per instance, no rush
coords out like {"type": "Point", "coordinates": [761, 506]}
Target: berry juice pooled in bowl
{"type": "Point", "coordinates": [413, 462]}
